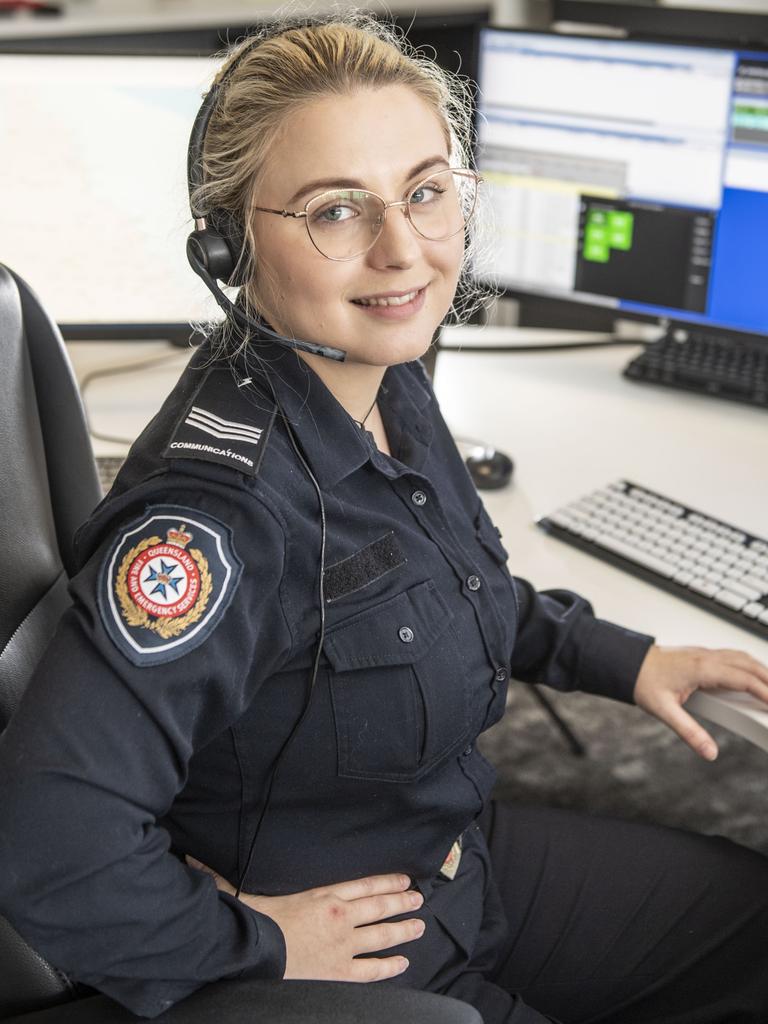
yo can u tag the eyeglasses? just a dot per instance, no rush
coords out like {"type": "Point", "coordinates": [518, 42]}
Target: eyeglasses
{"type": "Point", "coordinates": [345, 223]}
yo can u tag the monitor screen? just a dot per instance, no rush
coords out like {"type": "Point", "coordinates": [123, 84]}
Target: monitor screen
{"type": "Point", "coordinates": [93, 195]}
{"type": "Point", "coordinates": [630, 175]}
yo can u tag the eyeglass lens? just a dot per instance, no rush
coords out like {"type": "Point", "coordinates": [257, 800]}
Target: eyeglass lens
{"type": "Point", "coordinates": [345, 223]}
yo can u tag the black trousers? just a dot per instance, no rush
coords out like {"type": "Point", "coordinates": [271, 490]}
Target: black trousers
{"type": "Point", "coordinates": [613, 922]}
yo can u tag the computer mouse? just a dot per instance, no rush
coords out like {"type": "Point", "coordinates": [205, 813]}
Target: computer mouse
{"type": "Point", "coordinates": [490, 469]}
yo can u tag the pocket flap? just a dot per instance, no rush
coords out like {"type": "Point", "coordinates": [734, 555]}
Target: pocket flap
{"type": "Point", "coordinates": [398, 631]}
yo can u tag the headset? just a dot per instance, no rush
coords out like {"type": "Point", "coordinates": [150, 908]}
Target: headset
{"type": "Point", "coordinates": [215, 247]}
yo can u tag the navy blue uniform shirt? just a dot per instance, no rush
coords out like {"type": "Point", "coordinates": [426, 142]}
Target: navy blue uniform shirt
{"type": "Point", "coordinates": [155, 717]}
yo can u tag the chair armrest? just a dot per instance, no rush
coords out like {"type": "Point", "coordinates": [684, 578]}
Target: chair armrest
{"type": "Point", "coordinates": [275, 1002]}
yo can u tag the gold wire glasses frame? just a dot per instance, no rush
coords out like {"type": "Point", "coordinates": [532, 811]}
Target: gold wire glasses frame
{"type": "Point", "coordinates": [344, 223]}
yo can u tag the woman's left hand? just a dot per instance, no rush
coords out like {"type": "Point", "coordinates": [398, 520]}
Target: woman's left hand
{"type": "Point", "coordinates": [670, 675]}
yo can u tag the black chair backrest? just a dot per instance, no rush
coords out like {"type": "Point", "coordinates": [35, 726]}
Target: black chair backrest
{"type": "Point", "coordinates": [48, 482]}
{"type": "Point", "coordinates": [48, 486]}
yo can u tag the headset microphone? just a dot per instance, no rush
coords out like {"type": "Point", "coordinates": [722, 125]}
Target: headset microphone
{"type": "Point", "coordinates": [214, 247]}
{"type": "Point", "coordinates": [196, 254]}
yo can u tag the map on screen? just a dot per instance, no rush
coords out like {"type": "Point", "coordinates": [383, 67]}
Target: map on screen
{"type": "Point", "coordinates": [93, 195]}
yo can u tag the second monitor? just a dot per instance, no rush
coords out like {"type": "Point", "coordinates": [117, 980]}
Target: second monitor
{"type": "Point", "coordinates": [629, 175]}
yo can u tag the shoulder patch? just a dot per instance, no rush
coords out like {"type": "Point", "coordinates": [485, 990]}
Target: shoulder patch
{"type": "Point", "coordinates": [220, 425]}
{"type": "Point", "coordinates": [166, 583]}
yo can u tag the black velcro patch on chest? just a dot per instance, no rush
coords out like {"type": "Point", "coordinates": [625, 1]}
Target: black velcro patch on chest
{"type": "Point", "coordinates": [363, 567]}
{"type": "Point", "coordinates": [221, 425]}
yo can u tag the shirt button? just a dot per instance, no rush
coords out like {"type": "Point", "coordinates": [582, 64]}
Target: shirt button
{"type": "Point", "coordinates": [474, 582]}
{"type": "Point", "coordinates": [501, 675]}
{"type": "Point", "coordinates": [406, 634]}
{"type": "Point", "coordinates": [468, 750]}
{"type": "Point", "coordinates": [419, 498]}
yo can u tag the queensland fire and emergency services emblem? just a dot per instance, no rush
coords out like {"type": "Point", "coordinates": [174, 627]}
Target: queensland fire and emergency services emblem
{"type": "Point", "coordinates": [167, 582]}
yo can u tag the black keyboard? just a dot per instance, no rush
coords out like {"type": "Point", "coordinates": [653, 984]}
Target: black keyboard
{"type": "Point", "coordinates": [691, 554]}
{"type": "Point", "coordinates": [712, 365]}
{"type": "Point", "coordinates": [108, 467]}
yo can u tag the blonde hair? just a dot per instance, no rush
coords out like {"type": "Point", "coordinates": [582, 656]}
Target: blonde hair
{"type": "Point", "coordinates": [287, 65]}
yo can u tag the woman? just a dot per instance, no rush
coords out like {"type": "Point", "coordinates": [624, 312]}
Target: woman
{"type": "Point", "coordinates": [294, 617]}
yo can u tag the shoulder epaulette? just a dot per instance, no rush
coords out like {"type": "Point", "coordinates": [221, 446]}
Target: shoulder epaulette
{"type": "Point", "coordinates": [224, 423]}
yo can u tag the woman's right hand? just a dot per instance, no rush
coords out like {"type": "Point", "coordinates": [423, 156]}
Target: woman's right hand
{"type": "Point", "coordinates": [325, 929]}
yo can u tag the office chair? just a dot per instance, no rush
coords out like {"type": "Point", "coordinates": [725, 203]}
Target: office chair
{"type": "Point", "coordinates": [49, 486]}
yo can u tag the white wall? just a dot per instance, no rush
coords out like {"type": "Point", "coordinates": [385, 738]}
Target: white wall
{"type": "Point", "coordinates": [127, 15]}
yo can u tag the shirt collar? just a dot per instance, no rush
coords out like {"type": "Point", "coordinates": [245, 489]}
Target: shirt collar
{"type": "Point", "coordinates": [332, 442]}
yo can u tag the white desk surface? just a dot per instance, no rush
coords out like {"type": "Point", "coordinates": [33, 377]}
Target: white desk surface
{"type": "Point", "coordinates": [121, 404]}
{"type": "Point", "coordinates": [571, 423]}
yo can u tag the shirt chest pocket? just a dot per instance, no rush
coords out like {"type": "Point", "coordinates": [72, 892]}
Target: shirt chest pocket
{"type": "Point", "coordinates": [398, 687]}
{"type": "Point", "coordinates": [490, 538]}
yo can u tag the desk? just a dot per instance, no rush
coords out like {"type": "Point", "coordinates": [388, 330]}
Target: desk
{"type": "Point", "coordinates": [572, 424]}
{"type": "Point", "coordinates": [121, 404]}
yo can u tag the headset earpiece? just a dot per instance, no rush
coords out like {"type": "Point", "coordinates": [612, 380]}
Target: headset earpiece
{"type": "Point", "coordinates": [219, 247]}
{"type": "Point", "coordinates": [210, 249]}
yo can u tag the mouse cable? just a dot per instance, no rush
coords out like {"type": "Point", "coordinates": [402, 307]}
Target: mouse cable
{"type": "Point", "coordinates": [118, 371]}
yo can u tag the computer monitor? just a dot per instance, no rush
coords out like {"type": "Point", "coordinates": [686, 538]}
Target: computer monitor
{"type": "Point", "coordinates": [93, 193]}
{"type": "Point", "coordinates": [628, 175]}
{"type": "Point", "coordinates": [94, 212]}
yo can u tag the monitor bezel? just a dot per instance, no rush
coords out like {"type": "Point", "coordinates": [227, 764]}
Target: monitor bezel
{"type": "Point", "coordinates": [650, 22]}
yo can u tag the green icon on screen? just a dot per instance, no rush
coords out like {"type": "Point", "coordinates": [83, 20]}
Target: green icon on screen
{"type": "Point", "coordinates": [606, 230]}
{"type": "Point", "coordinates": [596, 252]}
{"type": "Point", "coordinates": [620, 229]}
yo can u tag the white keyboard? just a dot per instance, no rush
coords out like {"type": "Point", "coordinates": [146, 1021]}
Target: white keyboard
{"type": "Point", "coordinates": [701, 559]}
